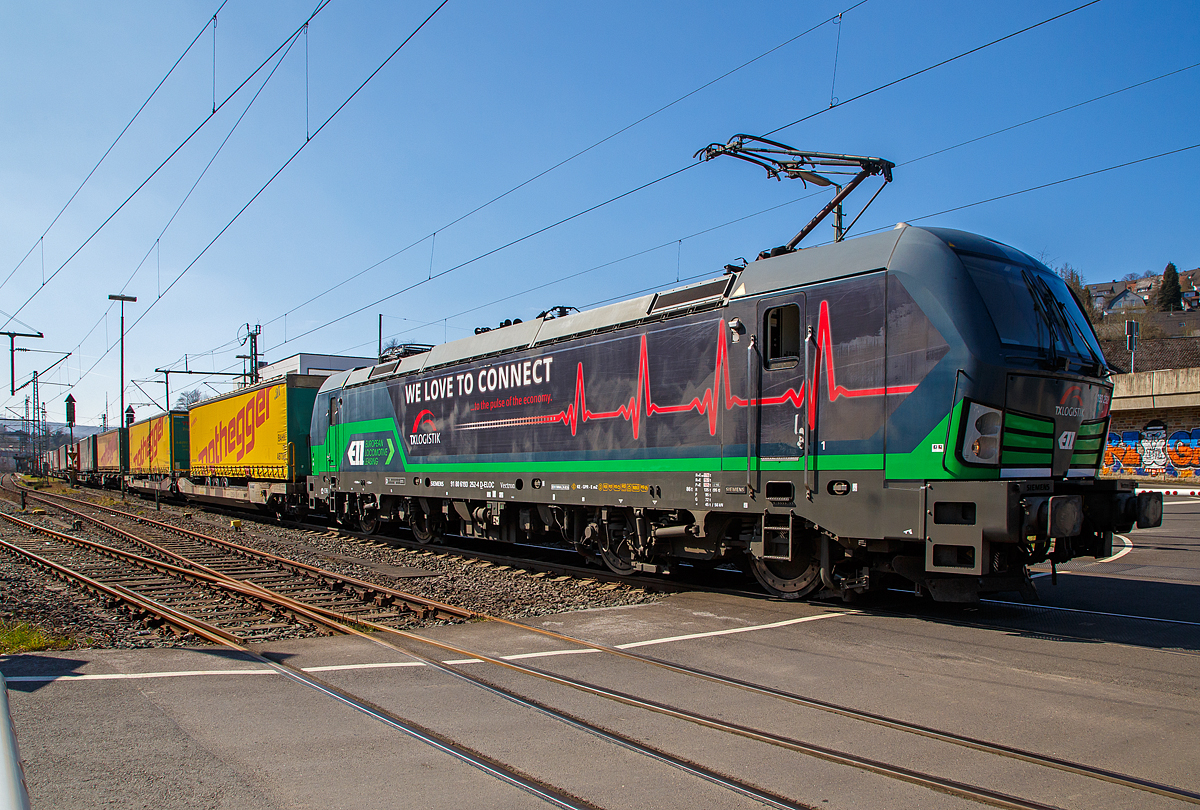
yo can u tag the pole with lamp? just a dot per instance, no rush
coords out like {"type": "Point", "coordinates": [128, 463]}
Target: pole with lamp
{"type": "Point", "coordinates": [123, 299]}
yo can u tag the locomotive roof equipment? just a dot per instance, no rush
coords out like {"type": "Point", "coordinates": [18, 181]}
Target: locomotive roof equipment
{"type": "Point", "coordinates": [781, 160]}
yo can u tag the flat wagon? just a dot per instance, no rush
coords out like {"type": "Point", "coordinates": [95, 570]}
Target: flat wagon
{"type": "Point", "coordinates": [85, 450]}
{"type": "Point", "coordinates": [250, 447]}
{"type": "Point", "coordinates": [158, 452]}
{"type": "Point", "coordinates": [112, 457]}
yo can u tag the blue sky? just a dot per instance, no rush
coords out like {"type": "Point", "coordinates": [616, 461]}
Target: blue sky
{"type": "Point", "coordinates": [487, 96]}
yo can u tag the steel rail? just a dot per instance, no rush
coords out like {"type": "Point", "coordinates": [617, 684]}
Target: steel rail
{"type": "Point", "coordinates": [187, 567]}
{"type": "Point", "coordinates": [965, 741]}
{"type": "Point", "coordinates": [930, 781]}
{"type": "Point", "coordinates": [579, 571]}
{"type": "Point", "coordinates": [427, 606]}
{"type": "Point", "coordinates": [882, 720]}
{"type": "Point", "coordinates": [119, 593]}
{"type": "Point", "coordinates": [122, 593]}
{"type": "Point", "coordinates": [351, 626]}
{"type": "Point", "coordinates": [356, 626]}
{"type": "Point", "coordinates": [215, 634]}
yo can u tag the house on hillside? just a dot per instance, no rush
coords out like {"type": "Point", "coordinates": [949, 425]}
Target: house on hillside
{"type": "Point", "coordinates": [1126, 300]}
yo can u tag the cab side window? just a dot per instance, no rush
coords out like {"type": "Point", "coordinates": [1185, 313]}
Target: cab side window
{"type": "Point", "coordinates": [781, 337]}
{"type": "Point", "coordinates": [320, 419]}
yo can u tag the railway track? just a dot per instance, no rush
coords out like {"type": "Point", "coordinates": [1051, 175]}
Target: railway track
{"type": "Point", "coordinates": [383, 635]}
{"type": "Point", "coordinates": [335, 622]}
{"type": "Point", "coordinates": [536, 558]}
{"type": "Point", "coordinates": [345, 595]}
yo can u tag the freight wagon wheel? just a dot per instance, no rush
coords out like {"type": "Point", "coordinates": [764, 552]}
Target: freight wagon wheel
{"type": "Point", "coordinates": [789, 579]}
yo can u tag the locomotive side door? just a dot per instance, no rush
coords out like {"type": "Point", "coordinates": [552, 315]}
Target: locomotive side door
{"type": "Point", "coordinates": [333, 439]}
{"type": "Point", "coordinates": [779, 396]}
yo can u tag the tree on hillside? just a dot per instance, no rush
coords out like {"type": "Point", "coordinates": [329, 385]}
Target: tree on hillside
{"type": "Point", "coordinates": [188, 398]}
{"type": "Point", "coordinates": [1170, 296]}
{"type": "Point", "coordinates": [1074, 280]}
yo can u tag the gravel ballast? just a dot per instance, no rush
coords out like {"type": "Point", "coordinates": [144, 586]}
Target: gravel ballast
{"type": "Point", "coordinates": [30, 595]}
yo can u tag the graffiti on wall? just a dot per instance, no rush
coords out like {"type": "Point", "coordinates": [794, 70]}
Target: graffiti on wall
{"type": "Point", "coordinates": [1154, 450]}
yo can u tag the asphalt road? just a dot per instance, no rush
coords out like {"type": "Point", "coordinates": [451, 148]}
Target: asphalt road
{"type": "Point", "coordinates": [1104, 671]}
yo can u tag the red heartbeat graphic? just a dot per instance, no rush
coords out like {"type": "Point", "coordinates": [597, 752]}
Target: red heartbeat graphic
{"type": "Point", "coordinates": [642, 405]}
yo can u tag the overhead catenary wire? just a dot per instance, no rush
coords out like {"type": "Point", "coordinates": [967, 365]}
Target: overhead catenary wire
{"type": "Point", "coordinates": [891, 83]}
{"type": "Point", "coordinates": [790, 202]}
{"type": "Point", "coordinates": [208, 165]}
{"type": "Point", "coordinates": [279, 171]}
{"type": "Point", "coordinates": [959, 145]}
{"type": "Point", "coordinates": [934, 66]}
{"type": "Point", "coordinates": [1052, 183]}
{"type": "Point", "coordinates": [166, 160]}
{"type": "Point", "coordinates": [875, 230]}
{"type": "Point", "coordinates": [155, 247]}
{"type": "Point", "coordinates": [433, 235]}
{"type": "Point", "coordinates": [1059, 111]}
{"type": "Point", "coordinates": [112, 146]}
{"type": "Point", "coordinates": [495, 250]}
{"type": "Point", "coordinates": [771, 208]}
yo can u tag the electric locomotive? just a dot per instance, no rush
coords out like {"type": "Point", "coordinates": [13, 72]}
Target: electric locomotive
{"type": "Point", "coordinates": [921, 406]}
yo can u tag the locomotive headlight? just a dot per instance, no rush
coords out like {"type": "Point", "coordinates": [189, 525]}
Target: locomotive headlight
{"type": "Point", "coordinates": [981, 436]}
{"type": "Point", "coordinates": [989, 423]}
{"type": "Point", "coordinates": [985, 447]}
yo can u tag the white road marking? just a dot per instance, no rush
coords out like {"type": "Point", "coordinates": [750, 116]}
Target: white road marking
{"type": "Point", "coordinates": [395, 664]}
{"type": "Point", "coordinates": [1128, 548]}
{"type": "Point", "coordinates": [383, 665]}
{"type": "Point", "coordinates": [1094, 612]}
{"type": "Point", "coordinates": [129, 676]}
{"type": "Point", "coordinates": [1125, 541]}
{"type": "Point", "coordinates": [731, 631]}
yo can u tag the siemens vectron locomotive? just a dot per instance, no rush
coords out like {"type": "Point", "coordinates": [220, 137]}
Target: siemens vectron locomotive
{"type": "Point", "coordinates": [921, 405]}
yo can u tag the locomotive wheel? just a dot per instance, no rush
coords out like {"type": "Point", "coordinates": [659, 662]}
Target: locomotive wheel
{"type": "Point", "coordinates": [369, 523]}
{"type": "Point", "coordinates": [423, 528]}
{"type": "Point", "coordinates": [789, 579]}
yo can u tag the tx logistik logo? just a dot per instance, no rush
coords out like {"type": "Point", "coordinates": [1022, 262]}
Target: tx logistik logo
{"type": "Point", "coordinates": [1071, 403]}
{"type": "Point", "coordinates": [424, 421]}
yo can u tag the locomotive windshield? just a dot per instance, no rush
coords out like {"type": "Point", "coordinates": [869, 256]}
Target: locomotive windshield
{"type": "Point", "coordinates": [1032, 307]}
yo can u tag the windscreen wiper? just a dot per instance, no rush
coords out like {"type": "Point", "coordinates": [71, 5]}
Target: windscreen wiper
{"type": "Point", "coordinates": [1098, 360]}
{"type": "Point", "coordinates": [1039, 304]}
